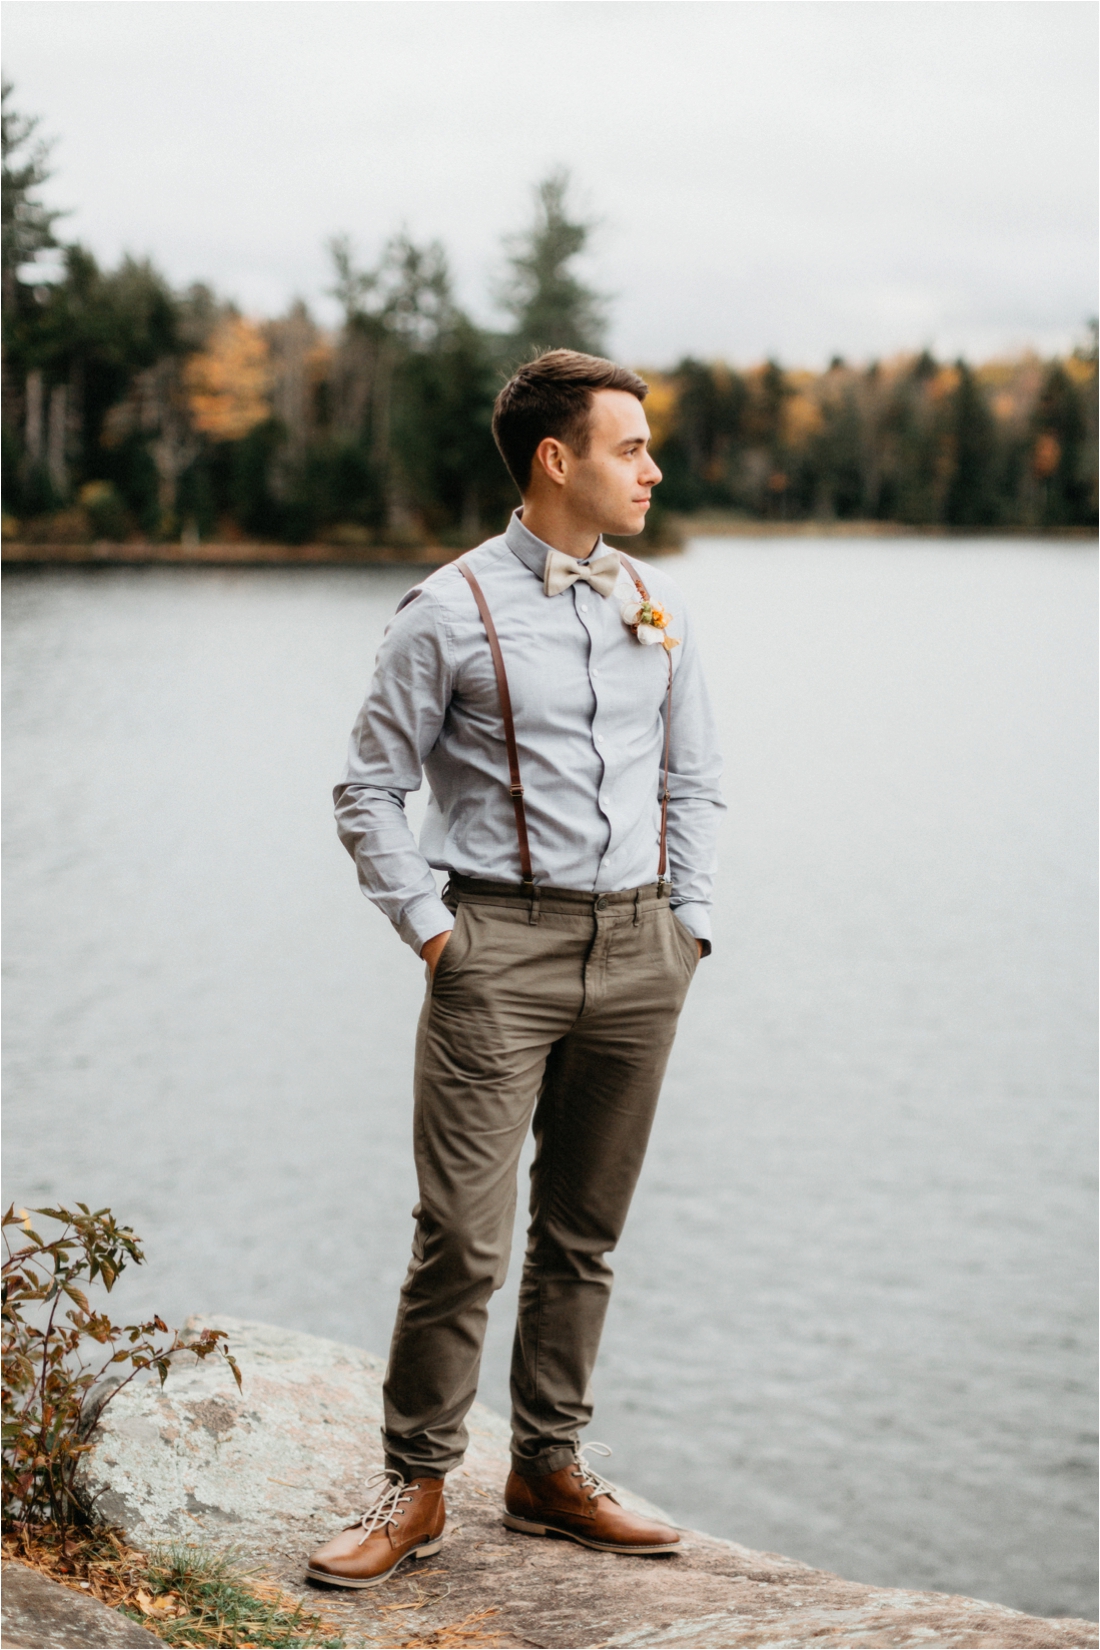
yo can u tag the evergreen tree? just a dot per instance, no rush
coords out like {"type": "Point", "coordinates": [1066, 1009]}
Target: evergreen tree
{"type": "Point", "coordinates": [27, 225]}
{"type": "Point", "coordinates": [840, 487]}
{"type": "Point", "coordinates": [1064, 456]}
{"type": "Point", "coordinates": [550, 306]}
{"type": "Point", "coordinates": [971, 494]}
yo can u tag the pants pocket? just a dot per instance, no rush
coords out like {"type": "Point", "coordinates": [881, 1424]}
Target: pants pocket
{"type": "Point", "coordinates": [689, 947]}
{"type": "Point", "coordinates": [455, 952]}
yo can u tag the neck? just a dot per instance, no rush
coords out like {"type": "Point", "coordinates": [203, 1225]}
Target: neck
{"type": "Point", "coordinates": [558, 529]}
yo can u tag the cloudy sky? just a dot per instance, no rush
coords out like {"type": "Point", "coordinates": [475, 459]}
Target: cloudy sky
{"type": "Point", "coordinates": [797, 177]}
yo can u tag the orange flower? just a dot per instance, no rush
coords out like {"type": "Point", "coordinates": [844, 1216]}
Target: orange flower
{"type": "Point", "coordinates": [648, 619]}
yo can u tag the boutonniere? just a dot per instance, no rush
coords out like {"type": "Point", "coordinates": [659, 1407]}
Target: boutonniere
{"type": "Point", "coordinates": [649, 621]}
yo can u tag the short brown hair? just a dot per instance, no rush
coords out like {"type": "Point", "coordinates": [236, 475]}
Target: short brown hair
{"type": "Point", "coordinates": [552, 395]}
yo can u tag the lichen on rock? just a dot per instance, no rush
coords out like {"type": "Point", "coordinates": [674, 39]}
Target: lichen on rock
{"type": "Point", "coordinates": [276, 1468]}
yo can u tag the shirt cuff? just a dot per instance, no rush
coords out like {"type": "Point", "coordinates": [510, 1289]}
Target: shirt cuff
{"type": "Point", "coordinates": [695, 917]}
{"type": "Point", "coordinates": [422, 919]}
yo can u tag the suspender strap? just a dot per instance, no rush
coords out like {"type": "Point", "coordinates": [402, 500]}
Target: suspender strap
{"type": "Point", "coordinates": [515, 786]}
{"type": "Point", "coordinates": [662, 862]}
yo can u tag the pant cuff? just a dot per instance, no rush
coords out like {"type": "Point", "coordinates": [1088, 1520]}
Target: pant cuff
{"type": "Point", "coordinates": [411, 1469]}
{"type": "Point", "coordinates": [551, 1460]}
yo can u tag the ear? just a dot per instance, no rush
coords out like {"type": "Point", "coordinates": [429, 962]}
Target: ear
{"type": "Point", "coordinates": [552, 459]}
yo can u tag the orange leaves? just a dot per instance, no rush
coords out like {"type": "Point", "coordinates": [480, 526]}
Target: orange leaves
{"type": "Point", "coordinates": [1046, 455]}
{"type": "Point", "coordinates": [228, 383]}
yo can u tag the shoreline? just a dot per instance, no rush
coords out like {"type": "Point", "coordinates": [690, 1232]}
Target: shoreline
{"type": "Point", "coordinates": [252, 553]}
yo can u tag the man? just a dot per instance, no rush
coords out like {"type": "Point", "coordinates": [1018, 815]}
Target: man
{"type": "Point", "coordinates": [552, 693]}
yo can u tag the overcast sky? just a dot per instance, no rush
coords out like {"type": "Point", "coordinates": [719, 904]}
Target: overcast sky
{"type": "Point", "coordinates": [792, 178]}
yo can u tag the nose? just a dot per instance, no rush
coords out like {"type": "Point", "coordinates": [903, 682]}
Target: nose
{"type": "Point", "coordinates": [652, 475]}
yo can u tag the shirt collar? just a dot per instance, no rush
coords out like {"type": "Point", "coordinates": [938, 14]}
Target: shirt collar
{"type": "Point", "coordinates": [532, 552]}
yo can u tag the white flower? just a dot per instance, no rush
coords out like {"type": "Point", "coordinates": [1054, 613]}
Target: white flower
{"type": "Point", "coordinates": [649, 622]}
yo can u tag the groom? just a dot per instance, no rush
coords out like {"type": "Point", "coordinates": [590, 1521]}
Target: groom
{"type": "Point", "coordinates": [552, 692]}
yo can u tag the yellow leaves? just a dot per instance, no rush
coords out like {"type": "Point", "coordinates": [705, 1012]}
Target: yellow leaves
{"type": "Point", "coordinates": [945, 383]}
{"type": "Point", "coordinates": [1079, 369]}
{"type": "Point", "coordinates": [801, 420]}
{"type": "Point", "coordinates": [167, 1606]}
{"type": "Point", "coordinates": [660, 406]}
{"type": "Point", "coordinates": [228, 383]}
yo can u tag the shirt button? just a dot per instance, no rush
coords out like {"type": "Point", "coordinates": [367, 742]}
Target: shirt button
{"type": "Point", "coordinates": [584, 607]}
{"type": "Point", "coordinates": [595, 673]}
{"type": "Point", "coordinates": [599, 739]}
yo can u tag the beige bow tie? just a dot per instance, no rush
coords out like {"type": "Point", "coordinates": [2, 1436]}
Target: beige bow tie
{"type": "Point", "coordinates": [562, 571]}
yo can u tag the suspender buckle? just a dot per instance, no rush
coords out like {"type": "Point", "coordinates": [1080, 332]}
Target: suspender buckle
{"type": "Point", "coordinates": [515, 790]}
{"type": "Point", "coordinates": [664, 888]}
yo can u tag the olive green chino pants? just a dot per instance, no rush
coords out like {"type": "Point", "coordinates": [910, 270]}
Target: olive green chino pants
{"type": "Point", "coordinates": [565, 1007]}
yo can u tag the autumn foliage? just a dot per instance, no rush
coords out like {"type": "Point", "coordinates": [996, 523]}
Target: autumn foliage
{"type": "Point", "coordinates": [227, 382]}
{"type": "Point", "coordinates": [64, 1360]}
{"type": "Point", "coordinates": [133, 410]}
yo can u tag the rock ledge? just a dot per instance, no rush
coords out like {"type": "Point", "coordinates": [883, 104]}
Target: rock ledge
{"type": "Point", "coordinates": [274, 1469]}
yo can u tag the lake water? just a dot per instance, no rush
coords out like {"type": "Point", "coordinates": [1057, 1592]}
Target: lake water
{"type": "Point", "coordinates": [854, 1312]}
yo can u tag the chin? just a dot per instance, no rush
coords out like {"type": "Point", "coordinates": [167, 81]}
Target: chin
{"type": "Point", "coordinates": [626, 529]}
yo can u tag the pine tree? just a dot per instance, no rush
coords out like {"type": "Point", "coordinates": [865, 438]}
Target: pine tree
{"type": "Point", "coordinates": [26, 224]}
{"type": "Point", "coordinates": [971, 494]}
{"type": "Point", "coordinates": [551, 308]}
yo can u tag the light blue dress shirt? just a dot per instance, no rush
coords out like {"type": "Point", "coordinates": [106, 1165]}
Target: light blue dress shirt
{"type": "Point", "coordinates": [589, 705]}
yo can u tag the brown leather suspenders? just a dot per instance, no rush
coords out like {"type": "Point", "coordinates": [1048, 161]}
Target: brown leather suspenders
{"type": "Point", "coordinates": [662, 862]}
{"type": "Point", "coordinates": [515, 785]}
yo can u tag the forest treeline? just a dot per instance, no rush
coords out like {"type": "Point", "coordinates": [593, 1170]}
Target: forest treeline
{"type": "Point", "coordinates": [131, 409]}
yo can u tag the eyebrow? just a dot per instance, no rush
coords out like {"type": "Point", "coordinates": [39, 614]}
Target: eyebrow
{"type": "Point", "coordinates": [635, 441]}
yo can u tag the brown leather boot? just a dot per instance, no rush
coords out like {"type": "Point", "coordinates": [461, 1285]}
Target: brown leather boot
{"type": "Point", "coordinates": [578, 1503]}
{"type": "Point", "coordinates": [405, 1520]}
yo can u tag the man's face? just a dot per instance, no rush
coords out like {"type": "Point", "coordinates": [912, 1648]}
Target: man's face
{"type": "Point", "coordinates": [608, 489]}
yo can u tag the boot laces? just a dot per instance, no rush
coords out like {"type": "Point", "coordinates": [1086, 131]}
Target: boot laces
{"type": "Point", "coordinates": [391, 1491]}
{"type": "Point", "coordinates": [589, 1477]}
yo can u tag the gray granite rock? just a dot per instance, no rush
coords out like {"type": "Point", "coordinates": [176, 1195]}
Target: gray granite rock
{"type": "Point", "coordinates": [278, 1467]}
{"type": "Point", "coordinates": [39, 1614]}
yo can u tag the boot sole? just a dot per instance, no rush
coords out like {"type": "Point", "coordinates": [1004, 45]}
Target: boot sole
{"type": "Point", "coordinates": [526, 1527]}
{"type": "Point", "coordinates": [429, 1549]}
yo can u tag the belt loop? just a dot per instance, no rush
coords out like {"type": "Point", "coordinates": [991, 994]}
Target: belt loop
{"type": "Point", "coordinates": [534, 916]}
{"type": "Point", "coordinates": [637, 898]}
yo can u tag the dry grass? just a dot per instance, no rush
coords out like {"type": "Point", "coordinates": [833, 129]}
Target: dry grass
{"type": "Point", "coordinates": [190, 1596]}
{"type": "Point", "coordinates": [456, 1635]}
